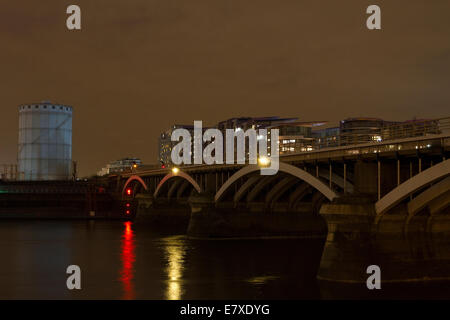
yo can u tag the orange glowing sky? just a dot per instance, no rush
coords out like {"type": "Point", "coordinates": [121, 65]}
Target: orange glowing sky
{"type": "Point", "coordinates": [139, 66]}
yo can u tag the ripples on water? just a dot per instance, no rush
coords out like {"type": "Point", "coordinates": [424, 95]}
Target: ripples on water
{"type": "Point", "coordinates": [120, 260]}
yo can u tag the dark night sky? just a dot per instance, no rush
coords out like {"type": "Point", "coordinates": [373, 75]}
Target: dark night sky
{"type": "Point", "coordinates": [139, 66]}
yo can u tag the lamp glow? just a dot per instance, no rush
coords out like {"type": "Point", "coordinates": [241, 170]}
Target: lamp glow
{"type": "Point", "coordinates": [175, 170]}
{"type": "Point", "coordinates": [263, 161]}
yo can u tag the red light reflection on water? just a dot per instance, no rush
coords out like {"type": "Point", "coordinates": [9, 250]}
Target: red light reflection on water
{"type": "Point", "coordinates": [128, 257]}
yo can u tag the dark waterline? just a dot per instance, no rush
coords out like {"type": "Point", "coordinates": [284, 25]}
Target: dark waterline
{"type": "Point", "coordinates": [120, 260]}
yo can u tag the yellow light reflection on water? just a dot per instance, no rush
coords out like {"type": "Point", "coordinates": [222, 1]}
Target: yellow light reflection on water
{"type": "Point", "coordinates": [174, 254]}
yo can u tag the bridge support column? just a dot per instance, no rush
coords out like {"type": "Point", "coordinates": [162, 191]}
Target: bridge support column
{"type": "Point", "coordinates": [162, 213]}
{"type": "Point", "coordinates": [203, 215]}
{"type": "Point", "coordinates": [405, 249]}
{"type": "Point", "coordinates": [144, 206]}
{"type": "Point", "coordinates": [211, 221]}
{"type": "Point", "coordinates": [348, 248]}
{"type": "Point", "coordinates": [330, 177]}
{"type": "Point", "coordinates": [345, 177]}
{"type": "Point", "coordinates": [210, 184]}
{"type": "Point", "coordinates": [365, 177]}
{"type": "Point", "coordinates": [379, 179]}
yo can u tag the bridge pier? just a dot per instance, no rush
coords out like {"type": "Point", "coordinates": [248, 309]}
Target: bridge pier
{"type": "Point", "coordinates": [162, 213]}
{"type": "Point", "coordinates": [254, 220]}
{"type": "Point", "coordinates": [414, 249]}
{"type": "Point", "coordinates": [144, 206]}
{"type": "Point", "coordinates": [204, 218]}
{"type": "Point", "coordinates": [348, 247]}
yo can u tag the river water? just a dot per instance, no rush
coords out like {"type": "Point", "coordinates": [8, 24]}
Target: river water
{"type": "Point", "coordinates": [122, 260]}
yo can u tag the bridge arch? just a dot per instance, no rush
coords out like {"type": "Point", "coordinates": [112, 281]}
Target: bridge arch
{"type": "Point", "coordinates": [284, 167]}
{"type": "Point", "coordinates": [440, 170]}
{"type": "Point", "coordinates": [180, 174]}
{"type": "Point", "coordinates": [134, 178]}
{"type": "Point", "coordinates": [337, 180]}
{"type": "Point", "coordinates": [431, 195]}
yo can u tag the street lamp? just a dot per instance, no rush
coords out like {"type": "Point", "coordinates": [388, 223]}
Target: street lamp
{"type": "Point", "coordinates": [175, 170]}
{"type": "Point", "coordinates": [263, 161]}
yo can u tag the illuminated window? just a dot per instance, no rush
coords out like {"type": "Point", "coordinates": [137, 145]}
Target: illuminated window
{"type": "Point", "coordinates": [376, 138]}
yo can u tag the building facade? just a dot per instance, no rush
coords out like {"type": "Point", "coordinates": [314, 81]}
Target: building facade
{"type": "Point", "coordinates": [295, 136]}
{"type": "Point", "coordinates": [411, 128]}
{"type": "Point", "coordinates": [326, 136]}
{"type": "Point", "coordinates": [165, 144]}
{"type": "Point", "coordinates": [117, 166]}
{"type": "Point", "coordinates": [362, 130]}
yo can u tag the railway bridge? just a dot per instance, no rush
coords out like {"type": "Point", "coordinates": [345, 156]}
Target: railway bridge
{"type": "Point", "coordinates": [384, 203]}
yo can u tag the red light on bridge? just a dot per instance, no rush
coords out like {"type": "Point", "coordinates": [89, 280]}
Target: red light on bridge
{"type": "Point", "coordinates": [127, 208]}
{"type": "Point", "coordinates": [129, 191]}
